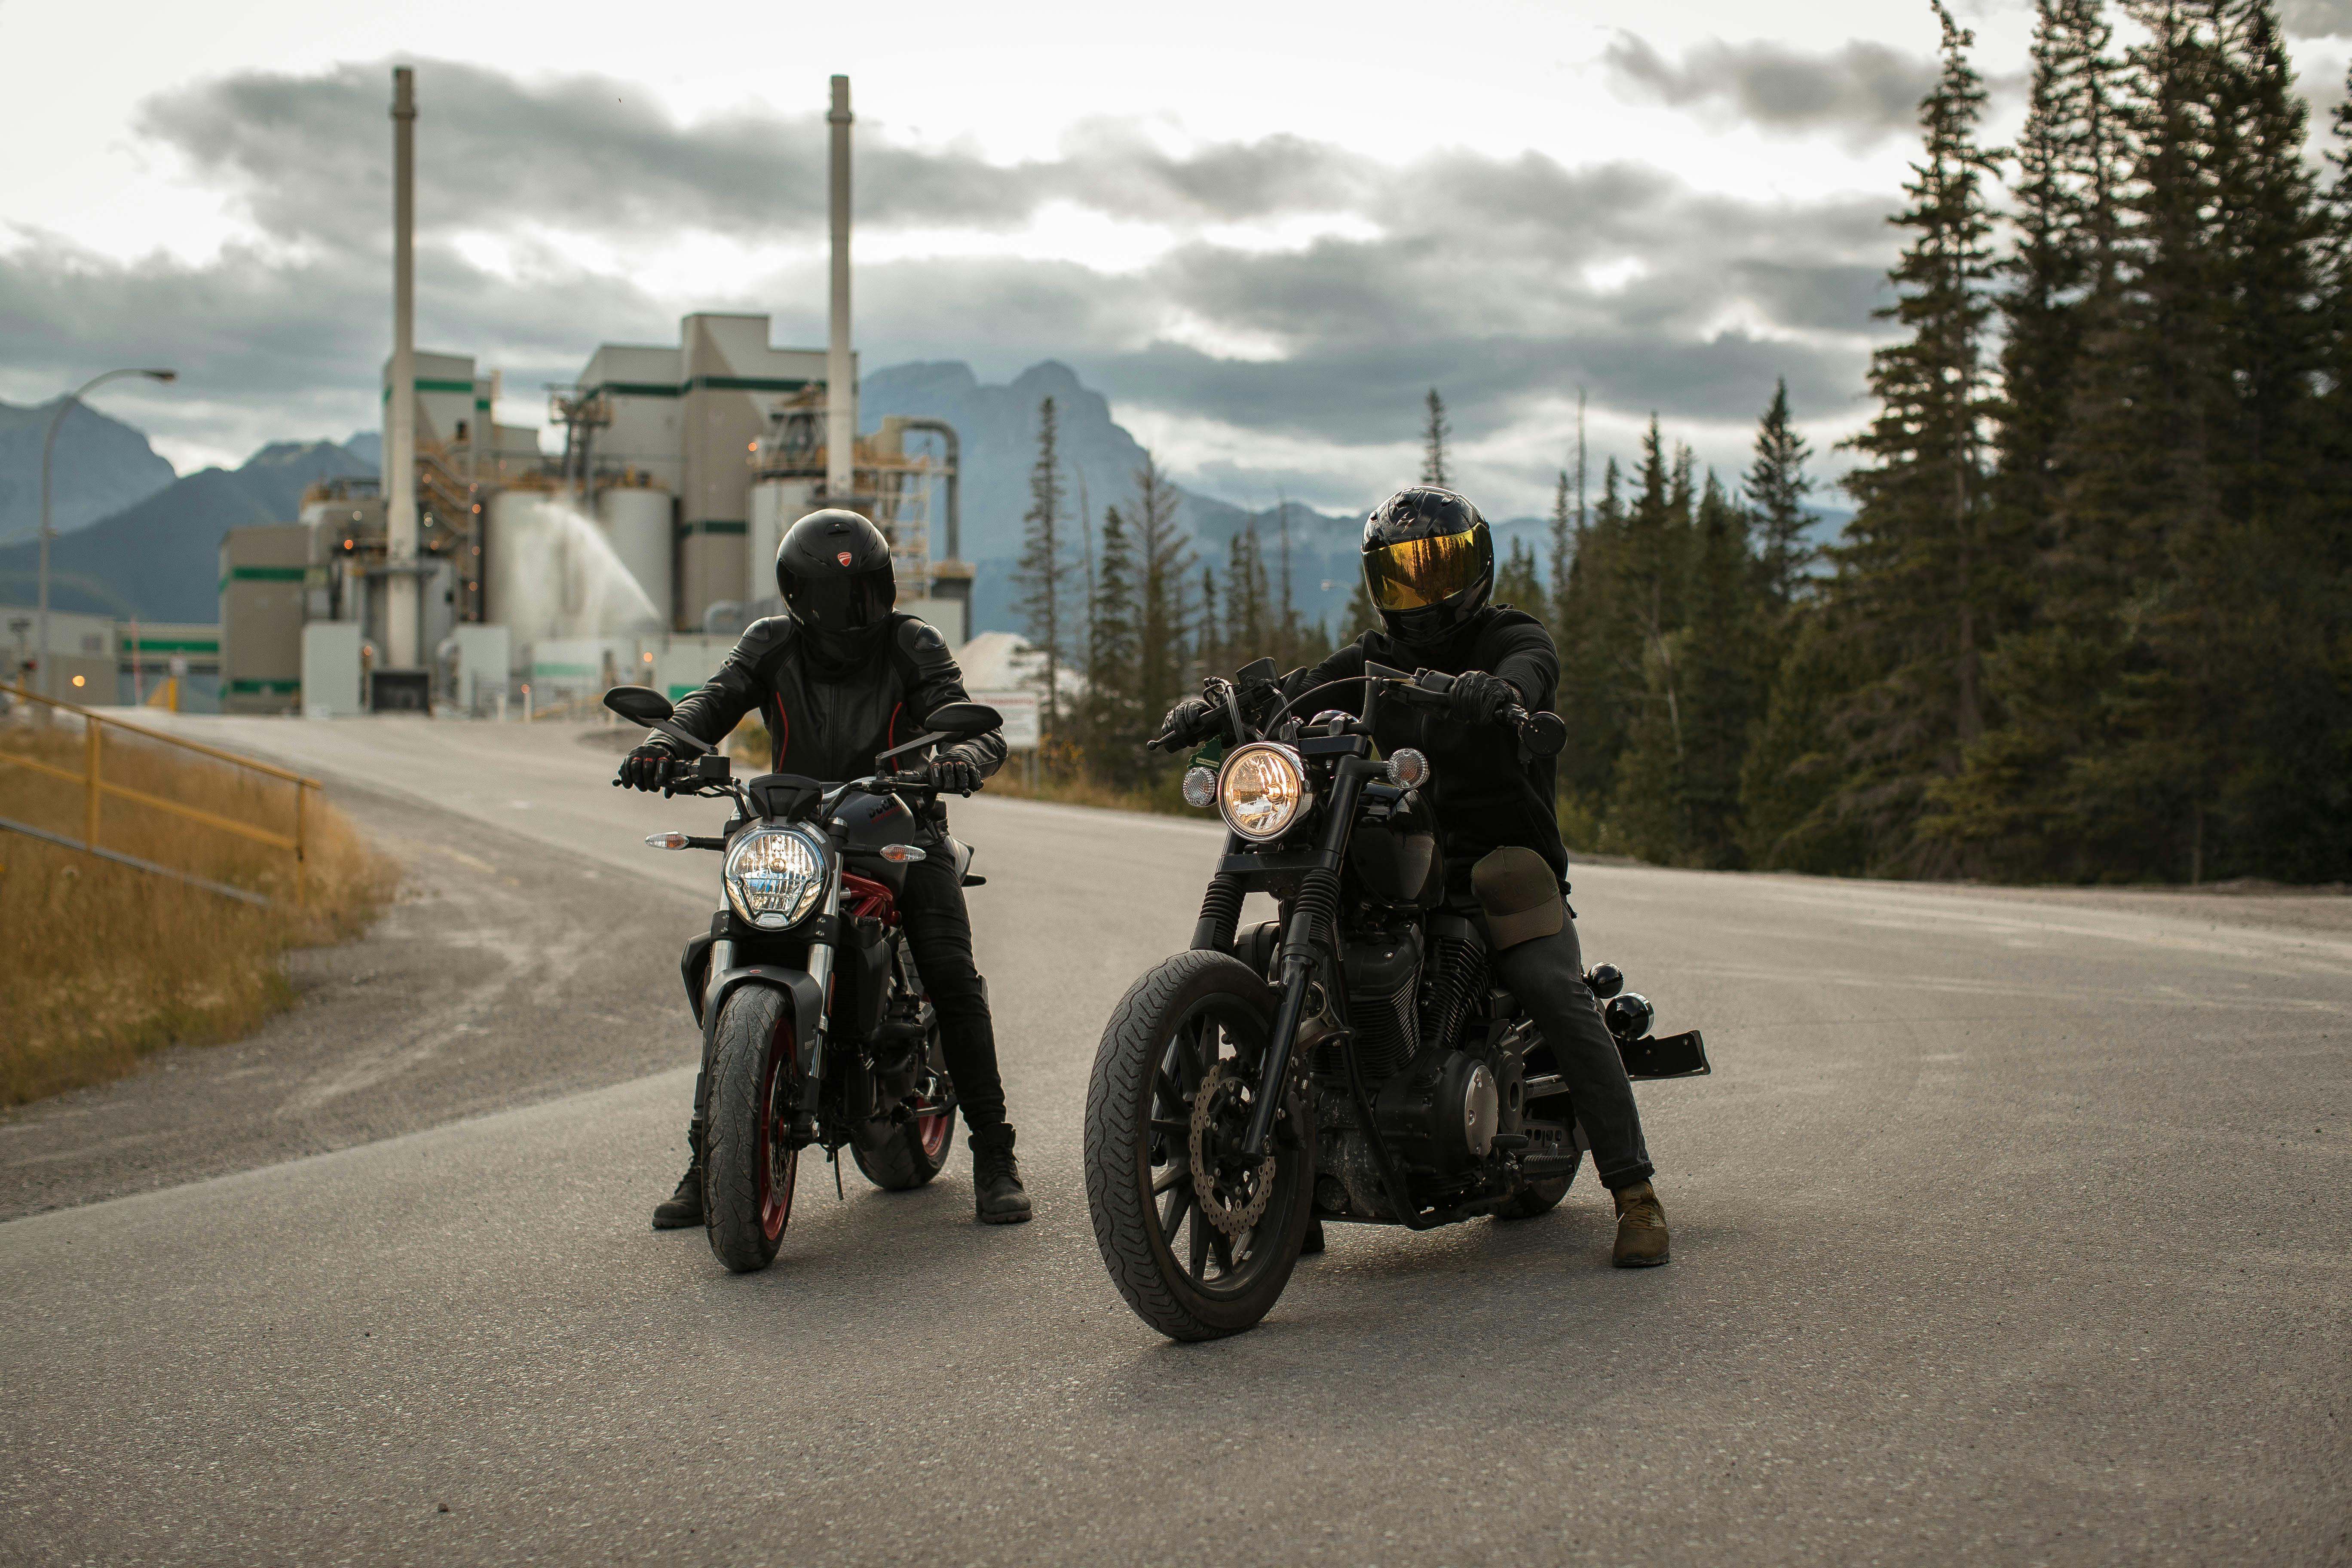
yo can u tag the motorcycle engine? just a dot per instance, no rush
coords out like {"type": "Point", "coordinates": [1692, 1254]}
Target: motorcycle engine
{"type": "Point", "coordinates": [1383, 987]}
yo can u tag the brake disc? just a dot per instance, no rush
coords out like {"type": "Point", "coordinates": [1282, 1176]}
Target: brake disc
{"type": "Point", "coordinates": [1229, 1217]}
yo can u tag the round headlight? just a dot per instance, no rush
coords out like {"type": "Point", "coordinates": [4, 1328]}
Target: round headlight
{"type": "Point", "coordinates": [773, 876]}
{"type": "Point", "coordinates": [1263, 790]}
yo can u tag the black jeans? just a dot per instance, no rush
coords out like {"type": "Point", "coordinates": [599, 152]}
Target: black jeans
{"type": "Point", "coordinates": [938, 931]}
{"type": "Point", "coordinates": [1547, 975]}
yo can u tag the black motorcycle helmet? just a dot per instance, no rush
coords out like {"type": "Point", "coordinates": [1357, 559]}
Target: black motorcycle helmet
{"type": "Point", "coordinates": [832, 567]}
{"type": "Point", "coordinates": [1429, 562]}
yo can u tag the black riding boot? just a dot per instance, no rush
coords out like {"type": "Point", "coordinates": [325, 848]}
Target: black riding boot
{"type": "Point", "coordinates": [997, 1196]}
{"type": "Point", "coordinates": [685, 1206]}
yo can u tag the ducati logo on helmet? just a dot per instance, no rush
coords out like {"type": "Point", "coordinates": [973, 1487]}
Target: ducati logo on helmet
{"type": "Point", "coordinates": [842, 556]}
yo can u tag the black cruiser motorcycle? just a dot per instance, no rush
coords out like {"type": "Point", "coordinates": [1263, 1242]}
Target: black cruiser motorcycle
{"type": "Point", "coordinates": [815, 1026]}
{"type": "Point", "coordinates": [1349, 1061]}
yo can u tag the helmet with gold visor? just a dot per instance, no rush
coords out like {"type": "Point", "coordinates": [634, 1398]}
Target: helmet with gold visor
{"type": "Point", "coordinates": [1429, 562]}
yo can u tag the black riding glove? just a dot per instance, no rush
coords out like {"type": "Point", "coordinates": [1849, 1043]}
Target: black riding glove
{"type": "Point", "coordinates": [1184, 720]}
{"type": "Point", "coordinates": [642, 769]}
{"type": "Point", "coordinates": [1478, 698]}
{"type": "Point", "coordinates": [954, 773]}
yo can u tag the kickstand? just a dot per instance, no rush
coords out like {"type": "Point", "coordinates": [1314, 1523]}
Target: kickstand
{"type": "Point", "coordinates": [834, 1154]}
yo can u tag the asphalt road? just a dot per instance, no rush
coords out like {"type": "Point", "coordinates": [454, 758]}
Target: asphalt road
{"type": "Point", "coordinates": [2011, 1229]}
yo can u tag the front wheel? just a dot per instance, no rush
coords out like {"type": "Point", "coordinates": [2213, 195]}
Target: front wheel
{"type": "Point", "coordinates": [749, 1167]}
{"type": "Point", "coordinates": [1199, 1241]}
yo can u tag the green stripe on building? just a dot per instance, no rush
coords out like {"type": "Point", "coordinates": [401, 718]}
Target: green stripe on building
{"type": "Point", "coordinates": [465, 386]}
{"type": "Point", "coordinates": [254, 688]}
{"type": "Point", "coordinates": [745, 383]}
{"type": "Point", "coordinates": [717, 525]}
{"type": "Point", "coordinates": [170, 644]}
{"type": "Point", "coordinates": [263, 574]}
{"type": "Point", "coordinates": [702, 383]}
{"type": "Point", "coordinates": [538, 670]}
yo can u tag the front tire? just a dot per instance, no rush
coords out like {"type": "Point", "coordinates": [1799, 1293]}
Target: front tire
{"type": "Point", "coordinates": [749, 1169]}
{"type": "Point", "coordinates": [1195, 1024]}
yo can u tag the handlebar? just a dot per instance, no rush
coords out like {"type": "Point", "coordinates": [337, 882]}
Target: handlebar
{"type": "Point", "coordinates": [1539, 734]}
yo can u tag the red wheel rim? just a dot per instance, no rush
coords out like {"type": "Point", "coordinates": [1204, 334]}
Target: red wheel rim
{"type": "Point", "coordinates": [778, 1161]}
{"type": "Point", "coordinates": [937, 1131]}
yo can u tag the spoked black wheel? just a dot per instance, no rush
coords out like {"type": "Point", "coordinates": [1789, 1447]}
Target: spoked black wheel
{"type": "Point", "coordinates": [748, 1168]}
{"type": "Point", "coordinates": [917, 1149]}
{"type": "Point", "coordinates": [1199, 1241]}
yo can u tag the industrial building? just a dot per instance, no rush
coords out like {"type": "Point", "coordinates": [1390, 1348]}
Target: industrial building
{"type": "Point", "coordinates": [639, 551]}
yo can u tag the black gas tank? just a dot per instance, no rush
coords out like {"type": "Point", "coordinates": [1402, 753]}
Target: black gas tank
{"type": "Point", "coordinates": [1398, 869]}
{"type": "Point", "coordinates": [869, 822]}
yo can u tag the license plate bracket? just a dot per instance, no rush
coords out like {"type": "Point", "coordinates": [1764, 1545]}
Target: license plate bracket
{"type": "Point", "coordinates": [1672, 1056]}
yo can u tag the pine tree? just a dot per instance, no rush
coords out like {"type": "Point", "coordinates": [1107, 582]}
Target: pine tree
{"type": "Point", "coordinates": [1163, 561]}
{"type": "Point", "coordinates": [1361, 615]}
{"type": "Point", "coordinates": [1516, 584]}
{"type": "Point", "coordinates": [1601, 661]}
{"type": "Point", "coordinates": [1249, 611]}
{"type": "Point", "coordinates": [1215, 655]}
{"type": "Point", "coordinates": [1435, 434]}
{"type": "Point", "coordinates": [1915, 587]}
{"type": "Point", "coordinates": [1116, 712]}
{"type": "Point", "coordinates": [1042, 574]}
{"type": "Point", "coordinates": [1567, 531]}
{"type": "Point", "coordinates": [1288, 635]}
{"type": "Point", "coordinates": [1776, 487]}
{"type": "Point", "coordinates": [2069, 155]}
{"type": "Point", "coordinates": [1650, 565]}
{"type": "Point", "coordinates": [1721, 670]}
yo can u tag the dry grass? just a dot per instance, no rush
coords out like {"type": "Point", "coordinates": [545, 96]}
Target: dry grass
{"type": "Point", "coordinates": [104, 962]}
{"type": "Point", "coordinates": [1165, 796]}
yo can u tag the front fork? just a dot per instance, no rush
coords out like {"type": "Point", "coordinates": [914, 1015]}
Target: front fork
{"type": "Point", "coordinates": [820, 969]}
{"type": "Point", "coordinates": [1314, 920]}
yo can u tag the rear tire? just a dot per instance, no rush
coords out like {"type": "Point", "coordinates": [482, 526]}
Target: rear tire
{"type": "Point", "coordinates": [749, 1172]}
{"type": "Point", "coordinates": [917, 1151]}
{"type": "Point", "coordinates": [1537, 1198]}
{"type": "Point", "coordinates": [1196, 1014]}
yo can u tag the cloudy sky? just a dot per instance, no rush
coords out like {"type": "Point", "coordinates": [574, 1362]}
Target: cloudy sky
{"type": "Point", "coordinates": [1263, 229]}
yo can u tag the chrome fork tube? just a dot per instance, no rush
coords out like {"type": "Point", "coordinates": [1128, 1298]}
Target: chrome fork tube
{"type": "Point", "coordinates": [820, 969]}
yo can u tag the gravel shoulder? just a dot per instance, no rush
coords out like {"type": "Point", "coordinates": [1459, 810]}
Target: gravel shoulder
{"type": "Point", "coordinates": [505, 972]}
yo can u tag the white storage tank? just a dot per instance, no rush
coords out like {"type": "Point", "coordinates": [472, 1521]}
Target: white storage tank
{"type": "Point", "coordinates": [516, 544]}
{"type": "Point", "coordinates": [636, 520]}
{"type": "Point", "coordinates": [551, 572]}
{"type": "Point", "coordinates": [776, 505]}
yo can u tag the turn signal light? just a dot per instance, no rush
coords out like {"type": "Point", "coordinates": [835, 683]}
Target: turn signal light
{"type": "Point", "coordinates": [1408, 769]}
{"type": "Point", "coordinates": [901, 854]}
{"type": "Point", "coordinates": [1201, 786]}
{"type": "Point", "coordinates": [670, 841]}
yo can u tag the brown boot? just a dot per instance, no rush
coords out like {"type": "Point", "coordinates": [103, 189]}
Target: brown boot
{"type": "Point", "coordinates": [1641, 1228]}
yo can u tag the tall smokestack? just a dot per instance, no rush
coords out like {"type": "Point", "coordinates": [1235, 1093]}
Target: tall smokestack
{"type": "Point", "coordinates": [840, 385]}
{"type": "Point", "coordinates": [400, 622]}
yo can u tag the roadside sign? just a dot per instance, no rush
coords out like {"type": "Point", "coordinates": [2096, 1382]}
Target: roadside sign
{"type": "Point", "coordinates": [1020, 709]}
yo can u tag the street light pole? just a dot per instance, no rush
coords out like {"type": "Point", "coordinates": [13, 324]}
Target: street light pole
{"type": "Point", "coordinates": [48, 446]}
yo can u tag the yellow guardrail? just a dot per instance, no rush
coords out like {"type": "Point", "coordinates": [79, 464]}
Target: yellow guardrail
{"type": "Point", "coordinates": [96, 787]}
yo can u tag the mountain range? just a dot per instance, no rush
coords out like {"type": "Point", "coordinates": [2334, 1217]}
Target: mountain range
{"type": "Point", "coordinates": [99, 467]}
{"type": "Point", "coordinates": [159, 558]}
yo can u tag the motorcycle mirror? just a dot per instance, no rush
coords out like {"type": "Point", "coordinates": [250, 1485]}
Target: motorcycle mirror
{"type": "Point", "coordinates": [1545, 735]}
{"type": "Point", "coordinates": [639, 704]}
{"type": "Point", "coordinates": [960, 718]}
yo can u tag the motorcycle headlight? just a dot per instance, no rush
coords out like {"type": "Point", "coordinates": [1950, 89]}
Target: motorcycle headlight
{"type": "Point", "coordinates": [1263, 790]}
{"type": "Point", "coordinates": [773, 876]}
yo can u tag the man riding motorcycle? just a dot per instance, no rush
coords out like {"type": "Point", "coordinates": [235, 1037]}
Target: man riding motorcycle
{"type": "Point", "coordinates": [1429, 567]}
{"type": "Point", "coordinates": [839, 678]}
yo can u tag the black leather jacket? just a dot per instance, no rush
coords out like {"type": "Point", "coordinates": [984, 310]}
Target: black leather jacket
{"type": "Point", "coordinates": [826, 725]}
{"type": "Point", "coordinates": [1484, 795]}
